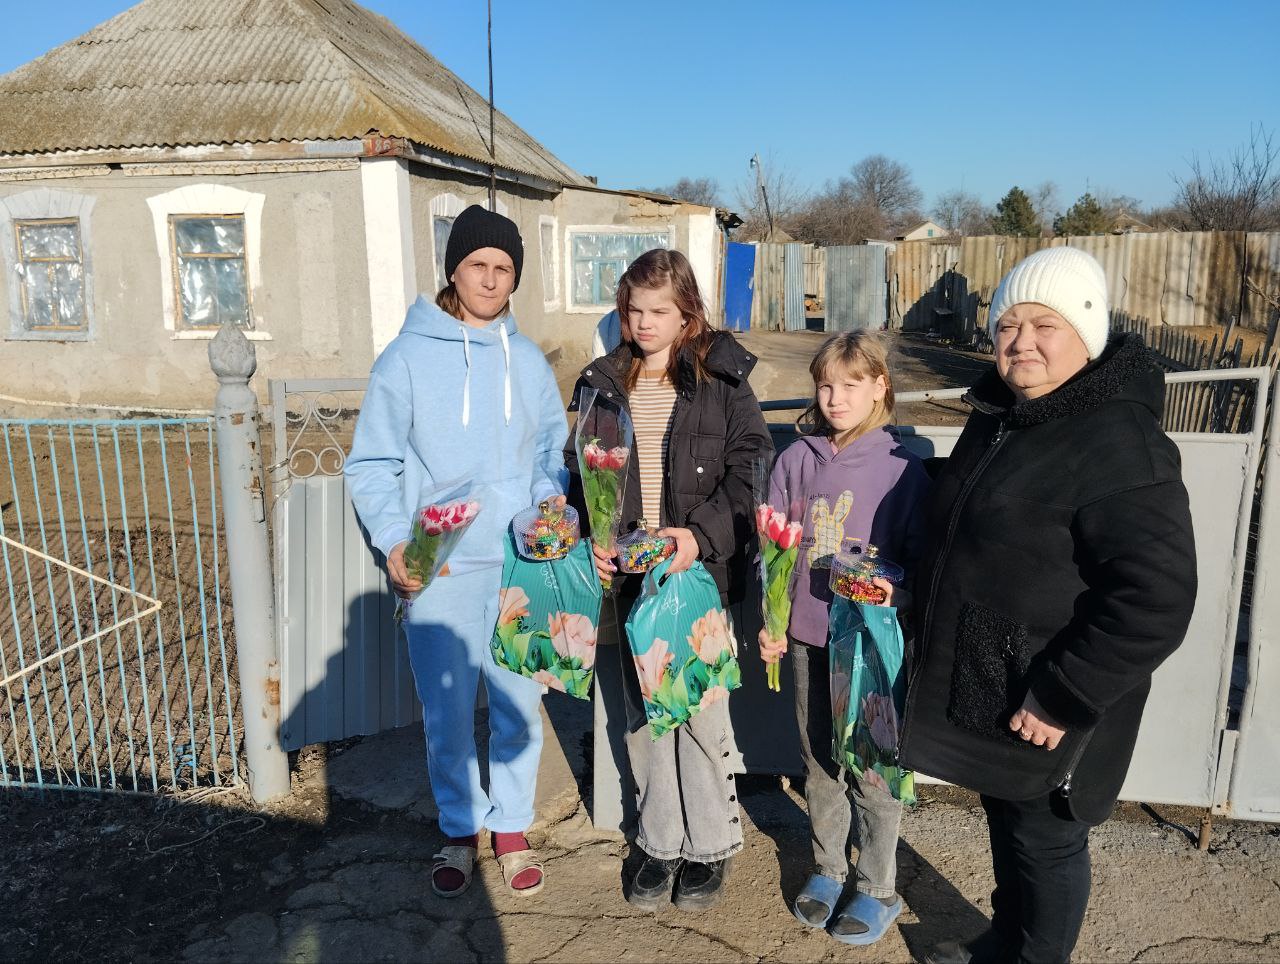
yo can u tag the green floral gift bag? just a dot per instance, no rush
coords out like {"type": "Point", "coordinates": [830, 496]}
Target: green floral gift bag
{"type": "Point", "coordinates": [867, 691]}
{"type": "Point", "coordinates": [683, 644]}
{"type": "Point", "coordinates": [548, 614]}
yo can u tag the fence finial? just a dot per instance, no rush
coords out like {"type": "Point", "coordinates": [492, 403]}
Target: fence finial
{"type": "Point", "coordinates": [231, 354]}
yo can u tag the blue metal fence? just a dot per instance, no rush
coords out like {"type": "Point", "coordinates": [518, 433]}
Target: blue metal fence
{"type": "Point", "coordinates": [116, 648]}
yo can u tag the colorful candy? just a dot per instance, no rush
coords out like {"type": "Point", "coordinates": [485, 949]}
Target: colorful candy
{"type": "Point", "coordinates": [643, 549]}
{"type": "Point", "coordinates": [852, 574]}
{"type": "Point", "coordinates": [545, 533]}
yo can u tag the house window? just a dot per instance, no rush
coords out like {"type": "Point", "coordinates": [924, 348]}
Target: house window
{"type": "Point", "coordinates": [51, 265]}
{"type": "Point", "coordinates": [210, 275]}
{"type": "Point", "coordinates": [441, 227]}
{"type": "Point", "coordinates": [599, 260]}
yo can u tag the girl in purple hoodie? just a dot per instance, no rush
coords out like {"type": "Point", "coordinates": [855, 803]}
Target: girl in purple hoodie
{"type": "Point", "coordinates": [854, 484]}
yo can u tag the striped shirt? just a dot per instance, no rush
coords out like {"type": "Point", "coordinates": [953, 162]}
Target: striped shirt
{"type": "Point", "coordinates": [652, 402]}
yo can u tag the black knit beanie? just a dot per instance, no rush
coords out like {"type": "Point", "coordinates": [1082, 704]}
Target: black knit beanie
{"type": "Point", "coordinates": [476, 228]}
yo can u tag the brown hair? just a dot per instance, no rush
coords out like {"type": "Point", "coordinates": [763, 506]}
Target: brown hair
{"type": "Point", "coordinates": [653, 269]}
{"type": "Point", "coordinates": [450, 303]}
{"type": "Point", "coordinates": [863, 354]}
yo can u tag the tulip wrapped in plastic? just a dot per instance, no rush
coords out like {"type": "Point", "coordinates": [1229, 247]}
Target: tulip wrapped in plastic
{"type": "Point", "coordinates": [602, 439]}
{"type": "Point", "coordinates": [437, 529]}
{"type": "Point", "coordinates": [685, 653]}
{"type": "Point", "coordinates": [549, 611]}
{"type": "Point", "coordinates": [779, 539]}
{"type": "Point", "coordinates": [868, 687]}
{"type": "Point", "coordinates": [779, 547]}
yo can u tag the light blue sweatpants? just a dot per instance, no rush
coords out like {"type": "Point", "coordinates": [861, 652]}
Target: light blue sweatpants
{"type": "Point", "coordinates": [448, 629]}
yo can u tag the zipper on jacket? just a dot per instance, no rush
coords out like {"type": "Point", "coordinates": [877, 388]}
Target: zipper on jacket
{"type": "Point", "coordinates": [1064, 787]}
{"type": "Point", "coordinates": [926, 625]}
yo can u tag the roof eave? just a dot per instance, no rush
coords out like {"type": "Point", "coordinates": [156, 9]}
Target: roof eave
{"type": "Point", "coordinates": [367, 147]}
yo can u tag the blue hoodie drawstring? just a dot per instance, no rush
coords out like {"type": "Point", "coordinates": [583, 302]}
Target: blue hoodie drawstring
{"type": "Point", "coordinates": [506, 385]}
{"type": "Point", "coordinates": [466, 384]}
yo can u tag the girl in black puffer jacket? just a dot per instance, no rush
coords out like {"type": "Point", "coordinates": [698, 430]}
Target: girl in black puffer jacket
{"type": "Point", "coordinates": [698, 434]}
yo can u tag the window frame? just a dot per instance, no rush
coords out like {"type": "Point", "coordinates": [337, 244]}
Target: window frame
{"type": "Point", "coordinates": [570, 261]}
{"type": "Point", "coordinates": [46, 204]}
{"type": "Point", "coordinates": [176, 257]}
{"type": "Point", "coordinates": [199, 199]}
{"type": "Point", "coordinates": [82, 326]}
{"type": "Point", "coordinates": [550, 262]}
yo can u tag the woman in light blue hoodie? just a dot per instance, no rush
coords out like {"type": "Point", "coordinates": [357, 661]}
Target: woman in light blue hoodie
{"type": "Point", "coordinates": [459, 395]}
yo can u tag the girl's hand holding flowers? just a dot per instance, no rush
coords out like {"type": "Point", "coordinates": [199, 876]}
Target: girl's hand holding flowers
{"type": "Point", "coordinates": [605, 566]}
{"type": "Point", "coordinates": [771, 650]}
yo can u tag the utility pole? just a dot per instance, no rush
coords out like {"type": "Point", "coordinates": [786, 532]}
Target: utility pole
{"type": "Point", "coordinates": [755, 163]}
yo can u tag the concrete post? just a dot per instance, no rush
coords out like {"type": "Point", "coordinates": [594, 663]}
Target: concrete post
{"type": "Point", "coordinates": [244, 520]}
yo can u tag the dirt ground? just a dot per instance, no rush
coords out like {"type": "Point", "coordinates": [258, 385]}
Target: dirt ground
{"type": "Point", "coordinates": [339, 872]}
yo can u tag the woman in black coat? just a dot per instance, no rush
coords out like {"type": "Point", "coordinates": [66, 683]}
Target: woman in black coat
{"type": "Point", "coordinates": [1061, 574]}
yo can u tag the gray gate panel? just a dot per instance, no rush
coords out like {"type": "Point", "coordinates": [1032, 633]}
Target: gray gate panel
{"type": "Point", "coordinates": [856, 287]}
{"type": "Point", "coordinates": [1176, 760]}
{"type": "Point", "coordinates": [793, 269]}
{"type": "Point", "coordinates": [1255, 777]}
{"type": "Point", "coordinates": [345, 668]}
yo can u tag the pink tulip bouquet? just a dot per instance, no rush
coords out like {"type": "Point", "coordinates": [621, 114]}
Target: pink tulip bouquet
{"type": "Point", "coordinates": [437, 529]}
{"type": "Point", "coordinates": [779, 548]}
{"type": "Point", "coordinates": [603, 440]}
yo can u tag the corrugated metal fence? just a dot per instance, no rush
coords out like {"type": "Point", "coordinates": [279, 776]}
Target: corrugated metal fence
{"type": "Point", "coordinates": [855, 287]}
{"type": "Point", "coordinates": [1169, 278]}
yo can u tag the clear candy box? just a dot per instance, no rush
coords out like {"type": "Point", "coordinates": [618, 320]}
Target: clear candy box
{"type": "Point", "coordinates": [544, 534]}
{"type": "Point", "coordinates": [642, 549]}
{"type": "Point", "coordinates": [852, 572]}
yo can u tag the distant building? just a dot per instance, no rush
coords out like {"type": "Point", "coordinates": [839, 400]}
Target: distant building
{"type": "Point", "coordinates": [292, 166]}
{"type": "Point", "coordinates": [924, 231]}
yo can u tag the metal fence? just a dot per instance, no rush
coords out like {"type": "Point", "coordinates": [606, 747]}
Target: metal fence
{"type": "Point", "coordinates": [117, 651]}
{"type": "Point", "coordinates": [344, 670]}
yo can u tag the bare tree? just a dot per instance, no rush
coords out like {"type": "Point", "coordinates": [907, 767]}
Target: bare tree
{"type": "Point", "coordinates": [1241, 193]}
{"type": "Point", "coordinates": [876, 200]}
{"type": "Point", "coordinates": [694, 190]}
{"type": "Point", "coordinates": [1045, 201]}
{"type": "Point", "coordinates": [886, 187]}
{"type": "Point", "coordinates": [963, 214]}
{"type": "Point", "coordinates": [786, 198]}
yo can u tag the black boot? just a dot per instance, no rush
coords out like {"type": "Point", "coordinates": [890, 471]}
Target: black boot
{"type": "Point", "coordinates": [701, 885]}
{"type": "Point", "coordinates": [650, 885]}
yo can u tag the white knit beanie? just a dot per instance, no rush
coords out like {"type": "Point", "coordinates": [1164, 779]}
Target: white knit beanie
{"type": "Point", "coordinates": [1069, 281]}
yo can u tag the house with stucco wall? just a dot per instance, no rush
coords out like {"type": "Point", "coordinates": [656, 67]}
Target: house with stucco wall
{"type": "Point", "coordinates": [293, 166]}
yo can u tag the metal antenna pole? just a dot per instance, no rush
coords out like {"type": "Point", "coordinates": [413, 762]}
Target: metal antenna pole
{"type": "Point", "coordinates": [493, 147]}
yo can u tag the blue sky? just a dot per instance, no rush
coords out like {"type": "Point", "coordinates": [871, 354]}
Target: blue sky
{"type": "Point", "coordinates": [1113, 95]}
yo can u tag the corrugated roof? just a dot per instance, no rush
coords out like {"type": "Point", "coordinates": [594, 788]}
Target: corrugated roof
{"type": "Point", "coordinates": [170, 73]}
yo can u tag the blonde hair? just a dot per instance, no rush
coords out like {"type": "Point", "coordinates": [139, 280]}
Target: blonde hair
{"type": "Point", "coordinates": [863, 354]}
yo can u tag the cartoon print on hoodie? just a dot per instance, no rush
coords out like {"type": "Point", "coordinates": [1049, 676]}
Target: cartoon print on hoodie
{"type": "Point", "coordinates": [827, 528]}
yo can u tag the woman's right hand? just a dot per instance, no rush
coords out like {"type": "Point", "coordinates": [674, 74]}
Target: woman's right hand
{"type": "Point", "coordinates": [402, 583]}
{"type": "Point", "coordinates": [771, 650]}
{"type": "Point", "coordinates": [605, 567]}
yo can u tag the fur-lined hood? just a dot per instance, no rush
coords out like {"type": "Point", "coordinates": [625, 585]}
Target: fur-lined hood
{"type": "Point", "coordinates": [1125, 371]}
